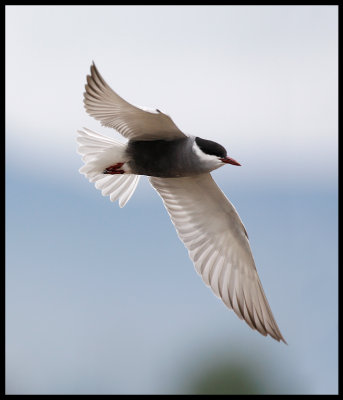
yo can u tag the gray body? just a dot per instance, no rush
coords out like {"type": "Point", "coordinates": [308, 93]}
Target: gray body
{"type": "Point", "coordinates": [166, 158]}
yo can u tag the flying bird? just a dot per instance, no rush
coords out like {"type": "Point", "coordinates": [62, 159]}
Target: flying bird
{"type": "Point", "coordinates": [179, 168]}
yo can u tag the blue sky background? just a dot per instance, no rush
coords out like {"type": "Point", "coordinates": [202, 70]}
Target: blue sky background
{"type": "Point", "coordinates": [105, 300]}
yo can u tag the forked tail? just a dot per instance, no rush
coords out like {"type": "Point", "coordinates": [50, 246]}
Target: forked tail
{"type": "Point", "coordinates": [98, 153]}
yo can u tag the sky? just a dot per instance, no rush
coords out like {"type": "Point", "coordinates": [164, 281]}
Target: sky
{"type": "Point", "coordinates": [105, 300]}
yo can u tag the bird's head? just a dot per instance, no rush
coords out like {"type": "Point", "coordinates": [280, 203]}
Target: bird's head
{"type": "Point", "coordinates": [213, 151]}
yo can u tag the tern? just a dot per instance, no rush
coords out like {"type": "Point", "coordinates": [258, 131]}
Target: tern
{"type": "Point", "coordinates": [179, 168]}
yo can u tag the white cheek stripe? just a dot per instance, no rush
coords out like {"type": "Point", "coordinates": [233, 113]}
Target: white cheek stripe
{"type": "Point", "coordinates": [206, 158]}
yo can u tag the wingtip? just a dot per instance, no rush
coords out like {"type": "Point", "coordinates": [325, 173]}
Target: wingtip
{"type": "Point", "coordinates": [93, 69]}
{"type": "Point", "coordinates": [279, 338]}
{"type": "Point", "coordinates": [283, 340]}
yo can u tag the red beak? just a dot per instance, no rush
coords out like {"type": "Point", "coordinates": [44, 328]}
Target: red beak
{"type": "Point", "coordinates": [228, 160]}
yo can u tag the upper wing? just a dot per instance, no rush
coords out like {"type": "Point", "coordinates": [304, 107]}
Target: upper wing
{"type": "Point", "coordinates": [102, 103]}
{"type": "Point", "coordinates": [216, 239]}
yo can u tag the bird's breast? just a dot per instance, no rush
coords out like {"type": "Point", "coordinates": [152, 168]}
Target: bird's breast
{"type": "Point", "coordinates": [162, 158]}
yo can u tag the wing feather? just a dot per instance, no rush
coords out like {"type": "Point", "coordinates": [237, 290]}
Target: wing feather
{"type": "Point", "coordinates": [218, 245]}
{"type": "Point", "coordinates": [134, 123]}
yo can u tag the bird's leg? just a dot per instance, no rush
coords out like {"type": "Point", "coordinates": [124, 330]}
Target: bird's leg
{"type": "Point", "coordinates": [114, 169]}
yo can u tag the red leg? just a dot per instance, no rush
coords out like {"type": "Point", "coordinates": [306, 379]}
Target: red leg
{"type": "Point", "coordinates": [114, 169]}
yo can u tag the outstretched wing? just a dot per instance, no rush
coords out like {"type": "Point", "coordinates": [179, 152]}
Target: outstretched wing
{"type": "Point", "coordinates": [102, 103]}
{"type": "Point", "coordinates": [218, 245]}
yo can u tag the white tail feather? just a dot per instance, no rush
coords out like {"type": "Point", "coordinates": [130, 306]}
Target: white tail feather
{"type": "Point", "coordinates": [99, 152]}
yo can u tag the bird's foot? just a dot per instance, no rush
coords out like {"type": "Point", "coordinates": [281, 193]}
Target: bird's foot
{"type": "Point", "coordinates": [114, 169]}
